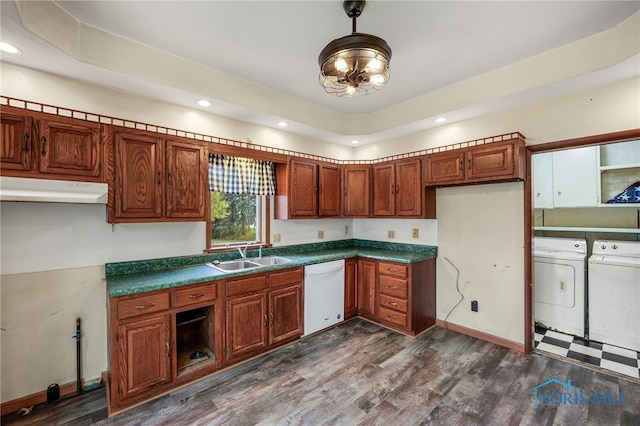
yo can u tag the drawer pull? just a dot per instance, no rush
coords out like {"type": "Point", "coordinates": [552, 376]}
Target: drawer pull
{"type": "Point", "coordinates": [266, 321]}
{"type": "Point", "coordinates": [196, 296]}
{"type": "Point", "coordinates": [393, 287]}
{"type": "Point", "coordinates": [150, 305]}
{"type": "Point", "coordinates": [393, 304]}
{"type": "Point", "coordinates": [393, 317]}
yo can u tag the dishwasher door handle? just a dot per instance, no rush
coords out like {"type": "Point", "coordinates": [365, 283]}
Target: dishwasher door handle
{"type": "Point", "coordinates": [324, 271]}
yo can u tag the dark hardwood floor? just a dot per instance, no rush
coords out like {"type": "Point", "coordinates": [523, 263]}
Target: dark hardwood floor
{"type": "Point", "coordinates": [360, 373]}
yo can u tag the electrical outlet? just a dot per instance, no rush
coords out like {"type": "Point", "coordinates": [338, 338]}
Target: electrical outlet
{"type": "Point", "coordinates": [474, 305]}
{"type": "Point", "coordinates": [320, 235]}
{"type": "Point", "coordinates": [415, 233]}
{"type": "Point", "coordinates": [391, 234]}
{"type": "Point", "coordinates": [346, 229]}
{"type": "Point", "coordinates": [276, 238]}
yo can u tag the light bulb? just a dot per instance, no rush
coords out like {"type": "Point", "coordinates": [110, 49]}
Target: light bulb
{"type": "Point", "coordinates": [341, 65]}
{"type": "Point", "coordinates": [377, 79]}
{"type": "Point", "coordinates": [351, 90]}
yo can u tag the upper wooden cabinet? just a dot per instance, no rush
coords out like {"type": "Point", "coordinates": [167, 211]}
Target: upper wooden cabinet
{"type": "Point", "coordinates": [356, 182]}
{"type": "Point", "coordinates": [49, 147]}
{"type": "Point", "coordinates": [307, 189]}
{"type": "Point", "coordinates": [155, 179]}
{"type": "Point", "coordinates": [397, 189]}
{"type": "Point", "coordinates": [493, 162]}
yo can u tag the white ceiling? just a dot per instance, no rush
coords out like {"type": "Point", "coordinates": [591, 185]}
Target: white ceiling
{"type": "Point", "coordinates": [271, 48]}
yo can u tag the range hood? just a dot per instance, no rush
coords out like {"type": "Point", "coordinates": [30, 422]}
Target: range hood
{"type": "Point", "coordinates": [52, 191]}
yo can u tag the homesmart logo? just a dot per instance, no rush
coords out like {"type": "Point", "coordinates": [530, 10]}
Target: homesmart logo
{"type": "Point", "coordinates": [555, 392]}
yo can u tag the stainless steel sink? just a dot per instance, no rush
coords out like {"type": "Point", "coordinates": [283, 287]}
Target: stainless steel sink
{"type": "Point", "coordinates": [270, 260]}
{"type": "Point", "coordinates": [234, 265]}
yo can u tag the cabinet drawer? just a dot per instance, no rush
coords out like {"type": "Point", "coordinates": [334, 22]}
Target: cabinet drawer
{"type": "Point", "coordinates": [394, 269]}
{"type": "Point", "coordinates": [393, 316]}
{"type": "Point", "coordinates": [393, 303]}
{"type": "Point", "coordinates": [193, 295]}
{"type": "Point", "coordinates": [393, 287]}
{"type": "Point", "coordinates": [143, 305]}
{"type": "Point", "coordinates": [285, 278]}
{"type": "Point", "coordinates": [246, 285]}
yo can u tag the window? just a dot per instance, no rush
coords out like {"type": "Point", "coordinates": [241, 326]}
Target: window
{"type": "Point", "coordinates": [235, 218]}
{"type": "Point", "coordinates": [239, 208]}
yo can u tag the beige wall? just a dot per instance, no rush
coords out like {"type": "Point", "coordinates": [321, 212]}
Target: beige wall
{"type": "Point", "coordinates": [480, 228]}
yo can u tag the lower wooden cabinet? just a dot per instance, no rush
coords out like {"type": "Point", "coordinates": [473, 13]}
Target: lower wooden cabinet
{"type": "Point", "coordinates": [366, 288]}
{"type": "Point", "coordinates": [350, 288]}
{"type": "Point", "coordinates": [262, 311]}
{"type": "Point", "coordinates": [160, 339]}
{"type": "Point", "coordinates": [406, 295]}
{"type": "Point", "coordinates": [144, 356]}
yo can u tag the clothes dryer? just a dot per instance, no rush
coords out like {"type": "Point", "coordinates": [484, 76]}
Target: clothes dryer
{"type": "Point", "coordinates": [559, 283]}
{"type": "Point", "coordinates": [614, 293]}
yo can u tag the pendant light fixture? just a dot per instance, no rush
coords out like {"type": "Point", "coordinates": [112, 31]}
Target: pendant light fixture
{"type": "Point", "coordinates": [356, 64]}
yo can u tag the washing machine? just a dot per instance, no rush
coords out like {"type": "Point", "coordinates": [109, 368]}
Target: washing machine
{"type": "Point", "coordinates": [614, 293]}
{"type": "Point", "coordinates": [559, 283]}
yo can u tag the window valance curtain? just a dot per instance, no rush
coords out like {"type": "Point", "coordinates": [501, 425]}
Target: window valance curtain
{"type": "Point", "coordinates": [236, 175]}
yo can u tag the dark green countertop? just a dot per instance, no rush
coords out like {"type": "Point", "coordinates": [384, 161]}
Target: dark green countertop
{"type": "Point", "coordinates": [127, 278]}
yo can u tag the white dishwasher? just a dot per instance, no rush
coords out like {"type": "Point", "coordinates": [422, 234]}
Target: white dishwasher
{"type": "Point", "coordinates": [323, 295]}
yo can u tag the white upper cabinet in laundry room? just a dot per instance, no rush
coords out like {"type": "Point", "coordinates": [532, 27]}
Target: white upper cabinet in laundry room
{"type": "Point", "coordinates": [567, 178]}
{"type": "Point", "coordinates": [575, 177]}
{"type": "Point", "coordinates": [541, 169]}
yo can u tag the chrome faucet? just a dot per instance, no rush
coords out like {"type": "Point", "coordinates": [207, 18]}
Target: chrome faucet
{"type": "Point", "coordinates": [260, 252]}
{"type": "Point", "coordinates": [243, 252]}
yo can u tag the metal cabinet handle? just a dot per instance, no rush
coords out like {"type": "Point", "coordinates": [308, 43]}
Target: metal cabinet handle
{"type": "Point", "coordinates": [393, 189]}
{"type": "Point", "coordinates": [392, 317]}
{"type": "Point", "coordinates": [271, 316]}
{"type": "Point", "coordinates": [469, 164]}
{"type": "Point", "coordinates": [265, 320]}
{"type": "Point", "coordinates": [169, 179]}
{"type": "Point", "coordinates": [392, 304]}
{"type": "Point", "coordinates": [150, 305]}
{"type": "Point", "coordinates": [159, 178]}
{"type": "Point", "coordinates": [397, 189]}
{"type": "Point", "coordinates": [43, 143]}
{"type": "Point", "coordinates": [168, 352]}
{"type": "Point", "coordinates": [196, 296]}
{"type": "Point", "coordinates": [393, 287]}
{"type": "Point", "coordinates": [26, 142]}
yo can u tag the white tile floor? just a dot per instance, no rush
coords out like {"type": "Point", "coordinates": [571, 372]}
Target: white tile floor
{"type": "Point", "coordinates": [620, 360]}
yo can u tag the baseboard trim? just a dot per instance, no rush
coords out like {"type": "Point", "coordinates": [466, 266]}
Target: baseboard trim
{"type": "Point", "coordinates": [36, 398]}
{"type": "Point", "coordinates": [481, 335]}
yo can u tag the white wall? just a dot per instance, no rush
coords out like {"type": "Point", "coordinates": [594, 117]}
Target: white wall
{"type": "Point", "coordinates": [482, 234]}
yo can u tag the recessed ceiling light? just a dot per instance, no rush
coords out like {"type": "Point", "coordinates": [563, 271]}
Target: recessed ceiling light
{"type": "Point", "coordinates": [204, 103]}
{"type": "Point", "coordinates": [355, 141]}
{"type": "Point", "coordinates": [283, 124]}
{"type": "Point", "coordinates": [6, 47]}
{"type": "Point", "coordinates": [441, 119]}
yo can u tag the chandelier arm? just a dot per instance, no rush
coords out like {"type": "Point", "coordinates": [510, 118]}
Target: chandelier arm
{"type": "Point", "coordinates": [353, 23]}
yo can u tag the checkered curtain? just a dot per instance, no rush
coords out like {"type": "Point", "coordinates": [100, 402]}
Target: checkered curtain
{"type": "Point", "coordinates": [236, 175]}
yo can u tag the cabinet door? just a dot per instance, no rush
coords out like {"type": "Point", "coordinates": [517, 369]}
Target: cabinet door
{"type": "Point", "coordinates": [384, 187]}
{"type": "Point", "coordinates": [408, 190]}
{"type": "Point", "coordinates": [329, 190]}
{"type": "Point", "coordinates": [357, 191]}
{"type": "Point", "coordinates": [303, 189]}
{"type": "Point", "coordinates": [16, 147]}
{"type": "Point", "coordinates": [139, 177]}
{"type": "Point", "coordinates": [542, 175]}
{"type": "Point", "coordinates": [69, 147]}
{"type": "Point", "coordinates": [350, 288]}
{"type": "Point", "coordinates": [367, 288]}
{"type": "Point", "coordinates": [144, 356]}
{"type": "Point", "coordinates": [186, 179]}
{"type": "Point", "coordinates": [575, 177]}
{"type": "Point", "coordinates": [247, 324]}
{"type": "Point", "coordinates": [490, 162]}
{"type": "Point", "coordinates": [445, 168]}
{"type": "Point", "coordinates": [285, 314]}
